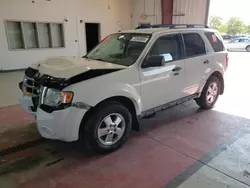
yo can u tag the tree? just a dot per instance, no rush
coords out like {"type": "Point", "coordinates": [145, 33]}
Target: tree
{"type": "Point", "coordinates": [235, 26]}
{"type": "Point", "coordinates": [247, 30]}
{"type": "Point", "coordinates": [216, 22]}
{"type": "Point", "coordinates": [223, 28]}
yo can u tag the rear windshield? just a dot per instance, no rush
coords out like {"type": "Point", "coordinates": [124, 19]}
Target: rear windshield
{"type": "Point", "coordinates": [215, 41]}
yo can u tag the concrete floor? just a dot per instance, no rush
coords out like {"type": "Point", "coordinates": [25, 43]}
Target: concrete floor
{"type": "Point", "coordinates": [182, 147]}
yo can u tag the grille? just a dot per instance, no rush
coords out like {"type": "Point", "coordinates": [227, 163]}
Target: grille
{"type": "Point", "coordinates": [30, 87]}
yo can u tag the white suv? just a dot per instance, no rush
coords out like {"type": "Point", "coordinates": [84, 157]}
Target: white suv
{"type": "Point", "coordinates": [130, 75]}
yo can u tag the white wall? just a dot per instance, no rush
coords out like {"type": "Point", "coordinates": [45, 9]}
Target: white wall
{"type": "Point", "coordinates": [113, 15]}
{"type": "Point", "coordinates": [152, 8]}
{"type": "Point", "coordinates": [194, 11]}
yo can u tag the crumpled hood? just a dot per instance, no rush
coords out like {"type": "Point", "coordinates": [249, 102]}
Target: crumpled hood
{"type": "Point", "coordinates": [67, 67]}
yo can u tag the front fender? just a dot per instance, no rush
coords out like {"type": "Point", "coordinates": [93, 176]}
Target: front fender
{"type": "Point", "coordinates": [93, 96]}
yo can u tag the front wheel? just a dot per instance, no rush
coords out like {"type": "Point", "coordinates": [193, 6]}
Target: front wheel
{"type": "Point", "coordinates": [210, 93]}
{"type": "Point", "coordinates": [108, 127]}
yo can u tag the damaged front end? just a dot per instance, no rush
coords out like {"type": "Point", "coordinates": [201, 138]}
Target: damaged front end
{"type": "Point", "coordinates": [31, 91]}
{"type": "Point", "coordinates": [34, 83]}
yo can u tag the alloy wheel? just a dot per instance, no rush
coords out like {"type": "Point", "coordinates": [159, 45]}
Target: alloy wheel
{"type": "Point", "coordinates": [111, 129]}
{"type": "Point", "coordinates": [212, 92]}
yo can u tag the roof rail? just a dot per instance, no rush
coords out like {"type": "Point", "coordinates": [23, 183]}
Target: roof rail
{"type": "Point", "coordinates": [172, 26]}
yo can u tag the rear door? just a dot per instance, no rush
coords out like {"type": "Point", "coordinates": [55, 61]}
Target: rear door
{"type": "Point", "coordinates": [197, 62]}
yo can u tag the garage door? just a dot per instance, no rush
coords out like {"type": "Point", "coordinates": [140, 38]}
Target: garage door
{"type": "Point", "coordinates": [190, 11]}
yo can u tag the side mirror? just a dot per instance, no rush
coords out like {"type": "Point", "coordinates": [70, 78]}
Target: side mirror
{"type": "Point", "coordinates": [154, 61]}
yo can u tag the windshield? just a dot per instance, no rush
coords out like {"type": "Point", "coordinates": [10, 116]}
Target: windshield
{"type": "Point", "coordinates": [121, 48]}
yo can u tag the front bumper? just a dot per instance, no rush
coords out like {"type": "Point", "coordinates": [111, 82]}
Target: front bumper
{"type": "Point", "coordinates": [61, 125]}
{"type": "Point", "coordinates": [27, 104]}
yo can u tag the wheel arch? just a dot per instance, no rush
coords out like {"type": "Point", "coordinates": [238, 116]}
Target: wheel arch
{"type": "Point", "coordinates": [221, 78]}
{"type": "Point", "coordinates": [127, 102]}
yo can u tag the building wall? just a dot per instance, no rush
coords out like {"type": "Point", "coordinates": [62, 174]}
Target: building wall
{"type": "Point", "coordinates": [113, 15]}
{"type": "Point", "coordinates": [152, 8]}
{"type": "Point", "coordinates": [190, 11]}
{"type": "Point", "coordinates": [175, 11]}
{"type": "Point", "coordinates": [167, 11]}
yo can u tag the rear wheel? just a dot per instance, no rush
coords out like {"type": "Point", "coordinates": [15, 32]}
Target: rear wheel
{"type": "Point", "coordinates": [210, 93]}
{"type": "Point", "coordinates": [248, 48]}
{"type": "Point", "coordinates": [108, 127]}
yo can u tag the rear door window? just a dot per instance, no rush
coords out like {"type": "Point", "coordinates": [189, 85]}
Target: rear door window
{"type": "Point", "coordinates": [215, 41]}
{"type": "Point", "coordinates": [194, 44]}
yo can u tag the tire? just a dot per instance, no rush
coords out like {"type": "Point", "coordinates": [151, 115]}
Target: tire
{"type": "Point", "coordinates": [208, 99]}
{"type": "Point", "coordinates": [99, 123]}
{"type": "Point", "coordinates": [248, 48]}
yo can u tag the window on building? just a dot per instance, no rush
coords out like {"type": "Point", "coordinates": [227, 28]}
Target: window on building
{"type": "Point", "coordinates": [169, 47]}
{"type": "Point", "coordinates": [194, 44]}
{"type": "Point", "coordinates": [44, 35]}
{"type": "Point", "coordinates": [34, 35]}
{"type": "Point", "coordinates": [57, 35]}
{"type": "Point", "coordinates": [15, 36]}
{"type": "Point", "coordinates": [30, 36]}
{"type": "Point", "coordinates": [215, 41]}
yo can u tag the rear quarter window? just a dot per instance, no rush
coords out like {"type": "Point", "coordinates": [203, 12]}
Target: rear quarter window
{"type": "Point", "coordinates": [215, 41]}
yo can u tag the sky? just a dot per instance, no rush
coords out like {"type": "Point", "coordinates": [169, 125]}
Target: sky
{"type": "Point", "coordinates": [231, 8]}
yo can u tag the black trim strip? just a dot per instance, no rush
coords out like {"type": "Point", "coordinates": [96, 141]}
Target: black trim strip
{"type": "Point", "coordinates": [168, 105]}
{"type": "Point", "coordinates": [61, 83]}
{"type": "Point", "coordinates": [91, 74]}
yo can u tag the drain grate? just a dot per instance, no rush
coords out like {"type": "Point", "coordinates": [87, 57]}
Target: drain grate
{"type": "Point", "coordinates": [21, 147]}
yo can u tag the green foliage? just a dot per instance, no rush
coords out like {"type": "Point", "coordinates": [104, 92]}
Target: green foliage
{"type": "Point", "coordinates": [216, 22]}
{"type": "Point", "coordinates": [235, 26]}
{"type": "Point", "coordinates": [223, 28]}
{"type": "Point", "coordinates": [247, 30]}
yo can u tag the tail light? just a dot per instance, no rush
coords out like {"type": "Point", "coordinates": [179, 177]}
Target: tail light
{"type": "Point", "coordinates": [227, 60]}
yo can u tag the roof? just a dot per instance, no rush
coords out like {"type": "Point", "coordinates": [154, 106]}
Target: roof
{"type": "Point", "coordinates": [145, 31]}
{"type": "Point", "coordinates": [164, 30]}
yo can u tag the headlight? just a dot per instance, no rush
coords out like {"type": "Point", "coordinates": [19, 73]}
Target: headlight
{"type": "Point", "coordinates": [53, 97]}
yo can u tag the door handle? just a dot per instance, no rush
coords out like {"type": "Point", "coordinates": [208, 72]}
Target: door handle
{"type": "Point", "coordinates": [177, 69]}
{"type": "Point", "coordinates": [206, 62]}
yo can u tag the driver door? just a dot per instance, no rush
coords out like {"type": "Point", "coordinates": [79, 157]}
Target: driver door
{"type": "Point", "coordinates": [163, 84]}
